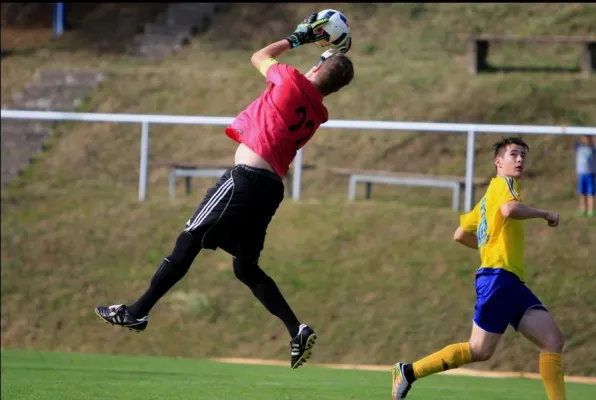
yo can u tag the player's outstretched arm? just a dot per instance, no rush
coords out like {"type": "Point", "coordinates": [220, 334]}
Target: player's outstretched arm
{"type": "Point", "coordinates": [267, 55]}
{"type": "Point", "coordinates": [468, 239]}
{"type": "Point", "coordinates": [304, 33]}
{"type": "Point", "coordinates": [516, 210]}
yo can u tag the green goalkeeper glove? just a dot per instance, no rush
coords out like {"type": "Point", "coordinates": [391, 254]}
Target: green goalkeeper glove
{"type": "Point", "coordinates": [304, 32]}
{"type": "Point", "coordinates": [344, 48]}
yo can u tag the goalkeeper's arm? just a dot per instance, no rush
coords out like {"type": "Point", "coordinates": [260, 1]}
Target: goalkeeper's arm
{"type": "Point", "coordinates": [266, 57]}
{"type": "Point", "coordinates": [303, 34]}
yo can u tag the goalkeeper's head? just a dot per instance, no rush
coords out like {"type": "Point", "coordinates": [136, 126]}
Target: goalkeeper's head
{"type": "Point", "coordinates": [333, 74]}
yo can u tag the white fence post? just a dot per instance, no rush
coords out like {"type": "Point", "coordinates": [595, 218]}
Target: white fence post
{"type": "Point", "coordinates": [470, 152]}
{"type": "Point", "coordinates": [144, 167]}
{"type": "Point", "coordinates": [297, 178]}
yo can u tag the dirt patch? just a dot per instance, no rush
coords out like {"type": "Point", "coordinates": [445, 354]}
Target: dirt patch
{"type": "Point", "coordinates": [20, 39]}
{"type": "Point", "coordinates": [364, 367]}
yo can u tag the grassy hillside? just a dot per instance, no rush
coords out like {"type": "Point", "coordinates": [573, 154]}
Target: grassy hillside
{"type": "Point", "coordinates": [74, 236]}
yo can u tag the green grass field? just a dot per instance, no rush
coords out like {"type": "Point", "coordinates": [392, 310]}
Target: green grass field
{"type": "Point", "coordinates": [382, 274]}
{"type": "Point", "coordinates": [28, 375]}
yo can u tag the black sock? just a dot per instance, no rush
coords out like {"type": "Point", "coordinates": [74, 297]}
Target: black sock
{"type": "Point", "coordinates": [171, 270]}
{"type": "Point", "coordinates": [265, 289]}
{"type": "Point", "coordinates": [270, 296]}
{"type": "Point", "coordinates": [409, 373]}
{"type": "Point", "coordinates": [164, 279]}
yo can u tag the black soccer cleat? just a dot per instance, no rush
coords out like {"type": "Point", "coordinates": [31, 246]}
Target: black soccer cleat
{"type": "Point", "coordinates": [301, 346]}
{"type": "Point", "coordinates": [118, 315]}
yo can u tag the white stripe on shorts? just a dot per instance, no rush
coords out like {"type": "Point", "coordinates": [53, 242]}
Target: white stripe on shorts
{"type": "Point", "coordinates": [216, 198]}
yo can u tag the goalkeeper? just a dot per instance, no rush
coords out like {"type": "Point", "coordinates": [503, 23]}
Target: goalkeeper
{"type": "Point", "coordinates": [235, 213]}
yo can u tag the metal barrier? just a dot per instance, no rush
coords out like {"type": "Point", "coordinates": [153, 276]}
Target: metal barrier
{"type": "Point", "coordinates": [146, 119]}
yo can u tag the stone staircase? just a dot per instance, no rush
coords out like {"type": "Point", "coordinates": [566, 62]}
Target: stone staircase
{"type": "Point", "coordinates": [173, 29]}
{"type": "Point", "coordinates": [54, 90]}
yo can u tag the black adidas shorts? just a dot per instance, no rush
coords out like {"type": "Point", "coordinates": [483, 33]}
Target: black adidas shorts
{"type": "Point", "coordinates": [235, 213]}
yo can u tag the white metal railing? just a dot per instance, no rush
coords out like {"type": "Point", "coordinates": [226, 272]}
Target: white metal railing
{"type": "Point", "coordinates": [146, 119]}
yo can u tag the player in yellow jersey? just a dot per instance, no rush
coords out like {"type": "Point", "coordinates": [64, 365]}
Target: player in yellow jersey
{"type": "Point", "coordinates": [496, 228]}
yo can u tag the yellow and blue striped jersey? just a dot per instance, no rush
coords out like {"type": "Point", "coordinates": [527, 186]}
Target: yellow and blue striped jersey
{"type": "Point", "coordinates": [500, 239]}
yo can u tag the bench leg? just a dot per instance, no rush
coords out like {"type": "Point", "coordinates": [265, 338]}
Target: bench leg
{"type": "Point", "coordinates": [455, 200]}
{"type": "Point", "coordinates": [352, 189]}
{"type": "Point", "coordinates": [187, 184]}
{"type": "Point", "coordinates": [473, 195]}
{"type": "Point", "coordinates": [368, 190]}
{"type": "Point", "coordinates": [588, 58]}
{"type": "Point", "coordinates": [172, 184]}
{"type": "Point", "coordinates": [483, 55]}
{"type": "Point", "coordinates": [477, 56]}
{"type": "Point", "coordinates": [288, 184]}
{"type": "Point", "coordinates": [472, 57]}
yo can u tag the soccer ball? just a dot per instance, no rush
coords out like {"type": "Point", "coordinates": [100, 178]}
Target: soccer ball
{"type": "Point", "coordinates": [337, 29]}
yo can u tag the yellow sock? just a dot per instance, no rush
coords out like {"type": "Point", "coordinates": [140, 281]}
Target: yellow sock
{"type": "Point", "coordinates": [552, 376]}
{"type": "Point", "coordinates": [452, 356]}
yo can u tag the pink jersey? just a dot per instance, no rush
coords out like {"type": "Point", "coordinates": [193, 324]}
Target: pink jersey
{"type": "Point", "coordinates": [282, 119]}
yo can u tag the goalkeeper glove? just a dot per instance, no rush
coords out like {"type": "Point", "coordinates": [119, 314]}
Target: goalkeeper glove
{"type": "Point", "coordinates": [344, 48]}
{"type": "Point", "coordinates": [305, 32]}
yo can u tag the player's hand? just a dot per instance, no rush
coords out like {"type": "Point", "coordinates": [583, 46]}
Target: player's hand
{"type": "Point", "coordinates": [310, 18]}
{"type": "Point", "coordinates": [305, 32]}
{"type": "Point", "coordinates": [552, 219]}
{"type": "Point", "coordinates": [344, 48]}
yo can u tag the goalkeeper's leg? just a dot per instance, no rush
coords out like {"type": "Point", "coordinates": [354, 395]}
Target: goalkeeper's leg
{"type": "Point", "coordinates": [172, 269]}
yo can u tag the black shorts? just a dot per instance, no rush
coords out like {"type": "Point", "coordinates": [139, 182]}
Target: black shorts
{"type": "Point", "coordinates": [235, 213]}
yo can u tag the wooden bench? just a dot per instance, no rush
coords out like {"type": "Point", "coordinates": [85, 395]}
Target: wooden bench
{"type": "Point", "coordinates": [190, 170]}
{"type": "Point", "coordinates": [368, 177]}
{"type": "Point", "coordinates": [478, 49]}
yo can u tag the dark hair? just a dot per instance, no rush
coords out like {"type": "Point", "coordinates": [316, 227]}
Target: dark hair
{"type": "Point", "coordinates": [500, 146]}
{"type": "Point", "coordinates": [336, 72]}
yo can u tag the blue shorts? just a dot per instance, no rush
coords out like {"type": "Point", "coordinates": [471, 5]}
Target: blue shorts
{"type": "Point", "coordinates": [586, 184]}
{"type": "Point", "coordinates": [501, 299]}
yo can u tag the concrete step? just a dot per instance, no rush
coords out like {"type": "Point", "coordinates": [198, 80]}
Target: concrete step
{"type": "Point", "coordinates": [154, 51]}
{"type": "Point", "coordinates": [56, 90]}
{"type": "Point", "coordinates": [72, 77]}
{"type": "Point", "coordinates": [193, 7]}
{"type": "Point", "coordinates": [48, 83]}
{"type": "Point", "coordinates": [9, 126]}
{"type": "Point", "coordinates": [190, 9]}
{"type": "Point", "coordinates": [170, 30]}
{"type": "Point", "coordinates": [169, 39]}
{"type": "Point", "coordinates": [24, 142]}
{"type": "Point", "coordinates": [173, 29]}
{"type": "Point", "coordinates": [185, 19]}
{"type": "Point", "coordinates": [159, 47]}
{"type": "Point", "coordinates": [17, 154]}
{"type": "Point", "coordinates": [15, 168]}
{"type": "Point", "coordinates": [25, 134]}
{"type": "Point", "coordinates": [17, 138]}
{"type": "Point", "coordinates": [49, 104]}
{"type": "Point", "coordinates": [35, 92]}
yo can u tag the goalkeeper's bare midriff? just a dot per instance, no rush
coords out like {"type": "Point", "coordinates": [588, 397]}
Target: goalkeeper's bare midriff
{"type": "Point", "coordinates": [246, 156]}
